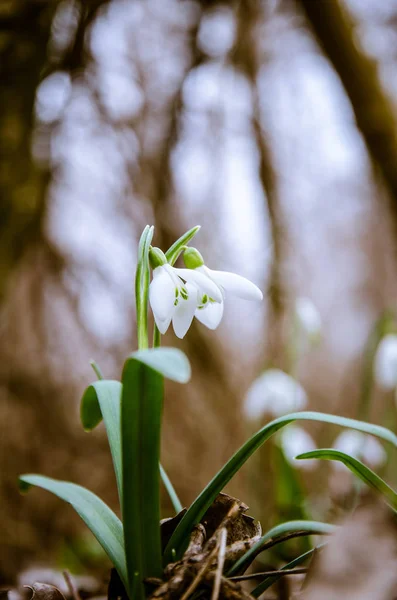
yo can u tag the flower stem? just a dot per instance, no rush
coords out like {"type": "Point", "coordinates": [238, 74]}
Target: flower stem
{"type": "Point", "coordinates": [142, 279]}
{"type": "Point", "coordinates": [156, 337]}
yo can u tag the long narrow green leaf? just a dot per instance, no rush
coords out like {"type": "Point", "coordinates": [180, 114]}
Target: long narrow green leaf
{"type": "Point", "coordinates": [174, 251]}
{"type": "Point", "coordinates": [279, 531]}
{"type": "Point", "coordinates": [102, 399]}
{"type": "Point", "coordinates": [141, 409]}
{"type": "Point", "coordinates": [266, 583]}
{"type": "Point", "coordinates": [356, 467]}
{"type": "Point", "coordinates": [196, 511]}
{"type": "Point", "coordinates": [100, 519]}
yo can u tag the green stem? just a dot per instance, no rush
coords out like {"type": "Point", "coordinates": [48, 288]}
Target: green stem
{"type": "Point", "coordinates": [156, 337]}
{"type": "Point", "coordinates": [176, 503]}
{"type": "Point", "coordinates": [142, 280]}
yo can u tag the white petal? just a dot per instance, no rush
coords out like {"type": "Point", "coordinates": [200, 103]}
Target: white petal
{"type": "Point", "coordinates": [237, 285]}
{"type": "Point", "coordinates": [162, 325]}
{"type": "Point", "coordinates": [184, 311]}
{"type": "Point", "coordinates": [385, 364]}
{"type": "Point", "coordinates": [204, 283]}
{"type": "Point", "coordinates": [162, 295]}
{"type": "Point", "coordinates": [211, 315]}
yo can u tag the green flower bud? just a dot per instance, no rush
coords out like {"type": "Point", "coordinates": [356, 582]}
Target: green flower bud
{"type": "Point", "coordinates": [156, 257]}
{"type": "Point", "coordinates": [192, 258]}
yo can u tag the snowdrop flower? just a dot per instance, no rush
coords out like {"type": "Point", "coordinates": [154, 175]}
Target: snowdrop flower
{"type": "Point", "coordinates": [174, 294]}
{"type": "Point", "coordinates": [276, 393]}
{"type": "Point", "coordinates": [294, 441]}
{"type": "Point", "coordinates": [209, 312]}
{"type": "Point", "coordinates": [385, 362]}
{"type": "Point", "coordinates": [309, 318]}
{"type": "Point", "coordinates": [361, 446]}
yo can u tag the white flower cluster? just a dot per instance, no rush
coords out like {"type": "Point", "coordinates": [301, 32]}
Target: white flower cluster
{"type": "Point", "coordinates": [179, 295]}
{"type": "Point", "coordinates": [275, 393]}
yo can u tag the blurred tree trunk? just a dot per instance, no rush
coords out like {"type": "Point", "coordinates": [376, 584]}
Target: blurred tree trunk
{"type": "Point", "coordinates": [24, 34]}
{"type": "Point", "coordinates": [373, 110]}
{"type": "Point", "coordinates": [246, 58]}
{"type": "Point", "coordinates": [37, 425]}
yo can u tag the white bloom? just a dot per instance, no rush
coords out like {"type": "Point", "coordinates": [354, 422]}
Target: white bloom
{"type": "Point", "coordinates": [294, 441]}
{"type": "Point", "coordinates": [308, 317]}
{"type": "Point", "coordinates": [274, 392]}
{"type": "Point", "coordinates": [210, 313]}
{"type": "Point", "coordinates": [361, 446]}
{"type": "Point", "coordinates": [173, 300]}
{"type": "Point", "coordinates": [385, 363]}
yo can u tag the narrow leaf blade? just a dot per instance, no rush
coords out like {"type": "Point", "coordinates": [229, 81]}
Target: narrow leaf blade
{"type": "Point", "coordinates": [102, 399]}
{"type": "Point", "coordinates": [141, 409]}
{"type": "Point", "coordinates": [98, 517]}
{"type": "Point", "coordinates": [266, 583]}
{"type": "Point", "coordinates": [279, 531]}
{"type": "Point", "coordinates": [174, 251]}
{"type": "Point", "coordinates": [196, 511]}
{"type": "Point", "coordinates": [358, 468]}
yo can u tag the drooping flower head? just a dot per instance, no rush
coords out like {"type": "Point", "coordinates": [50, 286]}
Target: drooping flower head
{"type": "Point", "coordinates": [274, 393]}
{"type": "Point", "coordinates": [361, 446]}
{"type": "Point", "coordinates": [385, 363]}
{"type": "Point", "coordinates": [309, 319]}
{"type": "Point", "coordinates": [294, 441]}
{"type": "Point", "coordinates": [178, 295]}
{"type": "Point", "coordinates": [208, 312]}
{"type": "Point", "coordinates": [174, 293]}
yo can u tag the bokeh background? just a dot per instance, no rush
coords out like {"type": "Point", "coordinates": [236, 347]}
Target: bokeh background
{"type": "Point", "coordinates": [270, 123]}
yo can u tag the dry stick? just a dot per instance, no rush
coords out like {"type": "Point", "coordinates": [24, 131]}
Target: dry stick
{"type": "Point", "coordinates": [200, 575]}
{"type": "Point", "coordinates": [269, 573]}
{"type": "Point", "coordinates": [221, 562]}
{"type": "Point", "coordinates": [71, 586]}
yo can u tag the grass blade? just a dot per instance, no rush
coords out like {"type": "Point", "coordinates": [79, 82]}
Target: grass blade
{"type": "Point", "coordinates": [279, 531]}
{"type": "Point", "coordinates": [174, 251]}
{"type": "Point", "coordinates": [266, 583]}
{"type": "Point", "coordinates": [176, 503]}
{"type": "Point", "coordinates": [196, 511]}
{"type": "Point", "coordinates": [100, 519]}
{"type": "Point", "coordinates": [358, 468]}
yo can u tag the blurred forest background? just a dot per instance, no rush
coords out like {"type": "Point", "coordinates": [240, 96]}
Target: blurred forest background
{"type": "Point", "coordinates": [270, 123]}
